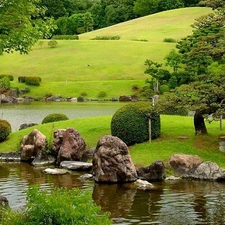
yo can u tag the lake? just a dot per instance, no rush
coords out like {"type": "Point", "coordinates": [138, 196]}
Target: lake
{"type": "Point", "coordinates": [177, 202]}
{"type": "Point", "coordinates": [34, 112]}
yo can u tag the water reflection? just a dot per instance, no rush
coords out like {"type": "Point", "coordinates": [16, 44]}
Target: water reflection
{"type": "Point", "coordinates": [172, 202]}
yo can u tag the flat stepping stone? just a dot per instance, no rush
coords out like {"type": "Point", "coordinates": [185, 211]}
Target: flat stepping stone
{"type": "Point", "coordinates": [55, 171]}
{"type": "Point", "coordinates": [76, 165]}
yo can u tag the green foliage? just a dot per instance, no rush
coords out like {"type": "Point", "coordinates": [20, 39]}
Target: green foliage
{"type": "Point", "coordinates": [130, 123]}
{"type": "Point", "coordinates": [22, 79]}
{"type": "Point", "coordinates": [33, 81]}
{"type": "Point", "coordinates": [5, 129]}
{"type": "Point", "coordinates": [54, 117]}
{"type": "Point", "coordinates": [101, 94]}
{"type": "Point", "coordinates": [59, 207]}
{"type": "Point", "coordinates": [22, 25]}
{"type": "Point", "coordinates": [164, 88]}
{"type": "Point", "coordinates": [83, 94]}
{"type": "Point", "coordinates": [52, 44]}
{"type": "Point", "coordinates": [11, 78]}
{"type": "Point", "coordinates": [4, 84]}
{"type": "Point", "coordinates": [65, 37]}
{"type": "Point", "coordinates": [170, 40]}
{"type": "Point", "coordinates": [117, 37]}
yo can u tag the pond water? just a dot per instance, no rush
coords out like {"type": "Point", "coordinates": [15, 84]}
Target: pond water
{"type": "Point", "coordinates": [177, 202]}
{"type": "Point", "coordinates": [35, 112]}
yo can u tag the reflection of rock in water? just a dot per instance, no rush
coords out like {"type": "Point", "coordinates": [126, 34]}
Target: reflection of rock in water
{"type": "Point", "coordinates": [4, 171]}
{"type": "Point", "coordinates": [114, 199]}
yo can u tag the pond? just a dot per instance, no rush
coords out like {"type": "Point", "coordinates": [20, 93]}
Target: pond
{"type": "Point", "coordinates": [178, 202]}
{"type": "Point", "coordinates": [34, 112]}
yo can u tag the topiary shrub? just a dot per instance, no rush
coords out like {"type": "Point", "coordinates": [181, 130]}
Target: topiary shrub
{"type": "Point", "coordinates": [130, 123]}
{"type": "Point", "coordinates": [34, 81]}
{"type": "Point", "coordinates": [54, 117]}
{"type": "Point", "coordinates": [5, 129]}
{"type": "Point", "coordinates": [101, 94]}
{"type": "Point", "coordinates": [164, 88]}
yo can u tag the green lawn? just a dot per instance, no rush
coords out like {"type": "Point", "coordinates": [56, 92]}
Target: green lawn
{"type": "Point", "coordinates": [92, 129]}
{"type": "Point", "coordinates": [74, 66]}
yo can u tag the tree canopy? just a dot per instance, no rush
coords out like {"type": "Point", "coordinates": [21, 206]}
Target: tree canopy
{"type": "Point", "coordinates": [22, 23]}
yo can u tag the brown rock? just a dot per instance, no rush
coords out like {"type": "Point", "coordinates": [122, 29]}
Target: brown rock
{"type": "Point", "coordinates": [69, 144]}
{"type": "Point", "coordinates": [32, 144]}
{"type": "Point", "coordinates": [184, 164]}
{"type": "Point", "coordinates": [112, 162]}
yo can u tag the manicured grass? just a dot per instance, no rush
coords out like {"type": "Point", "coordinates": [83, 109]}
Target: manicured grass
{"type": "Point", "coordinates": [92, 129]}
{"type": "Point", "coordinates": [88, 64]}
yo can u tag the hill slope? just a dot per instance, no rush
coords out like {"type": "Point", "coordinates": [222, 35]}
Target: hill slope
{"type": "Point", "coordinates": [90, 61]}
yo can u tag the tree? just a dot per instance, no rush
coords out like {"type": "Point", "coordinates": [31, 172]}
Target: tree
{"type": "Point", "coordinates": [205, 96]}
{"type": "Point", "coordinates": [206, 44]}
{"type": "Point", "coordinates": [173, 59]}
{"type": "Point", "coordinates": [170, 4]}
{"type": "Point", "coordinates": [145, 7]}
{"type": "Point", "coordinates": [22, 23]}
{"type": "Point", "coordinates": [214, 4]}
{"type": "Point", "coordinates": [154, 69]}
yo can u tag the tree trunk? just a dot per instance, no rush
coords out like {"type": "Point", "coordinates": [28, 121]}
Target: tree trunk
{"type": "Point", "coordinates": [199, 123]}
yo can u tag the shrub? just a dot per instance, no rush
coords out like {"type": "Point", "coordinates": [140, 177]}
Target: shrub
{"type": "Point", "coordinates": [164, 88]}
{"type": "Point", "coordinates": [54, 117]}
{"type": "Point", "coordinates": [34, 81]}
{"type": "Point", "coordinates": [22, 79]}
{"type": "Point", "coordinates": [4, 84]}
{"type": "Point", "coordinates": [130, 123]}
{"type": "Point", "coordinates": [83, 94]}
{"type": "Point", "coordinates": [101, 94]}
{"type": "Point", "coordinates": [5, 129]}
{"type": "Point", "coordinates": [65, 37]}
{"type": "Point", "coordinates": [11, 78]}
{"type": "Point", "coordinates": [117, 37]}
{"type": "Point", "coordinates": [59, 206]}
{"type": "Point", "coordinates": [52, 44]}
{"type": "Point", "coordinates": [170, 40]}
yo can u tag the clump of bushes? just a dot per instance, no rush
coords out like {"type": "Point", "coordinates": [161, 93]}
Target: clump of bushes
{"type": "Point", "coordinates": [4, 84]}
{"type": "Point", "coordinates": [5, 129]}
{"type": "Point", "coordinates": [54, 117]}
{"type": "Point", "coordinates": [131, 123]}
{"type": "Point", "coordinates": [65, 37]}
{"type": "Point", "coordinates": [11, 78]}
{"type": "Point", "coordinates": [170, 40]}
{"type": "Point", "coordinates": [58, 206]}
{"type": "Point", "coordinates": [164, 88]}
{"type": "Point", "coordinates": [52, 44]}
{"type": "Point", "coordinates": [101, 94]}
{"type": "Point", "coordinates": [116, 37]}
{"type": "Point", "coordinates": [33, 81]}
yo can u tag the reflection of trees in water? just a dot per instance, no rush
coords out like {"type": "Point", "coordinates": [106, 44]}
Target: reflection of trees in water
{"type": "Point", "coordinates": [4, 171]}
{"type": "Point", "coordinates": [193, 202]}
{"type": "Point", "coordinates": [114, 198]}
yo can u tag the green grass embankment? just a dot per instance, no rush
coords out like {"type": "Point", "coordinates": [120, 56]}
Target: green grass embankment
{"type": "Point", "coordinates": [92, 129]}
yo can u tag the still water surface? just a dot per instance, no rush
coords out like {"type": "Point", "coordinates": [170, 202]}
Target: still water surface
{"type": "Point", "coordinates": [170, 203]}
{"type": "Point", "coordinates": [35, 112]}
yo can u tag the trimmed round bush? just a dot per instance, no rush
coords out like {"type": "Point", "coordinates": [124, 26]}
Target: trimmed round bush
{"type": "Point", "coordinates": [34, 81]}
{"type": "Point", "coordinates": [54, 117]}
{"type": "Point", "coordinates": [5, 129]}
{"type": "Point", "coordinates": [131, 123]}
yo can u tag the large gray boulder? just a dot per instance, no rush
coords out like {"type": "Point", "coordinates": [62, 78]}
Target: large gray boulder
{"type": "Point", "coordinates": [208, 171]}
{"type": "Point", "coordinates": [68, 145]}
{"type": "Point", "coordinates": [112, 162]}
{"type": "Point", "coordinates": [192, 167]}
{"type": "Point", "coordinates": [32, 144]}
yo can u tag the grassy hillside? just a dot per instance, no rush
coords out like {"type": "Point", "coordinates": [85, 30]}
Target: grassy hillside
{"type": "Point", "coordinates": [76, 63]}
{"type": "Point", "coordinates": [92, 129]}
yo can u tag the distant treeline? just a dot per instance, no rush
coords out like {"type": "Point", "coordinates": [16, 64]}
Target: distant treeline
{"type": "Point", "coordinates": [79, 16]}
